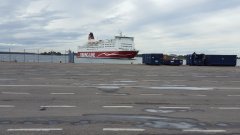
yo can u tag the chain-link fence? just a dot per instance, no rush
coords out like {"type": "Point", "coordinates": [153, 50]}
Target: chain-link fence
{"type": "Point", "coordinates": [34, 55]}
{"type": "Point", "coordinates": [60, 56]}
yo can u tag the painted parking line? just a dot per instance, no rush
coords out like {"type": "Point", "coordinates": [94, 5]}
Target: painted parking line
{"type": "Point", "coordinates": [199, 95]}
{"type": "Point", "coordinates": [179, 80]}
{"type": "Point", "coordinates": [114, 84]}
{"type": "Point", "coordinates": [221, 76]}
{"type": "Point", "coordinates": [151, 94]}
{"type": "Point", "coordinates": [34, 129]}
{"type": "Point", "coordinates": [62, 93]}
{"type": "Point", "coordinates": [117, 106]}
{"type": "Point", "coordinates": [227, 88]}
{"type": "Point", "coordinates": [234, 95]}
{"type": "Point", "coordinates": [182, 88]}
{"type": "Point", "coordinates": [16, 93]}
{"type": "Point", "coordinates": [125, 81]}
{"type": "Point", "coordinates": [228, 108]}
{"type": "Point", "coordinates": [108, 87]}
{"type": "Point", "coordinates": [7, 106]}
{"type": "Point", "coordinates": [167, 85]}
{"type": "Point", "coordinates": [235, 81]}
{"type": "Point", "coordinates": [34, 85]}
{"type": "Point", "coordinates": [124, 129]}
{"type": "Point", "coordinates": [57, 106]}
{"type": "Point", "coordinates": [28, 85]}
{"type": "Point", "coordinates": [173, 107]}
{"type": "Point", "coordinates": [120, 94]}
{"type": "Point", "coordinates": [6, 79]}
{"type": "Point", "coordinates": [151, 80]}
{"type": "Point", "coordinates": [204, 131]}
{"type": "Point", "coordinates": [54, 86]}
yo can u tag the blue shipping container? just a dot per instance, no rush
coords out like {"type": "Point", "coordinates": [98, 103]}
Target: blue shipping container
{"type": "Point", "coordinates": [195, 59]}
{"type": "Point", "coordinates": [153, 59]}
{"type": "Point", "coordinates": [221, 60]}
{"type": "Point", "coordinates": [143, 58]}
{"type": "Point", "coordinates": [189, 59]}
{"type": "Point", "coordinates": [173, 62]}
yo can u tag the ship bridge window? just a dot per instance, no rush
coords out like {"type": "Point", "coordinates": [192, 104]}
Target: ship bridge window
{"type": "Point", "coordinates": [126, 46]}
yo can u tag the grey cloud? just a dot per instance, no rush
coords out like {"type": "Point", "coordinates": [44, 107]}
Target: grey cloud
{"type": "Point", "coordinates": [33, 25]}
{"type": "Point", "coordinates": [40, 37]}
{"type": "Point", "coordinates": [11, 8]}
{"type": "Point", "coordinates": [12, 25]}
{"type": "Point", "coordinates": [151, 14]}
{"type": "Point", "coordinates": [174, 27]}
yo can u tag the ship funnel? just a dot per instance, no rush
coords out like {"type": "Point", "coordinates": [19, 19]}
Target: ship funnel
{"type": "Point", "coordinates": [90, 36]}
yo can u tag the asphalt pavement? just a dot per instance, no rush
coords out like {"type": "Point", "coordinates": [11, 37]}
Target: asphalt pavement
{"type": "Point", "coordinates": [111, 99]}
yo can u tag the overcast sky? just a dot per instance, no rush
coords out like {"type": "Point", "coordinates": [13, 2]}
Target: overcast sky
{"type": "Point", "coordinates": [159, 26]}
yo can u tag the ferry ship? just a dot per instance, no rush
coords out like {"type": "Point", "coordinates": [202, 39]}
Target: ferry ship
{"type": "Point", "coordinates": [119, 47]}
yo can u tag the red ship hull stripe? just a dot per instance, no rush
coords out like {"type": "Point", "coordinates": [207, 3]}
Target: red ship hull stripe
{"type": "Point", "coordinates": [108, 54]}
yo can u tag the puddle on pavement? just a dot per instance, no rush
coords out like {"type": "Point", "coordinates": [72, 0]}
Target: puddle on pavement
{"type": "Point", "coordinates": [170, 125]}
{"type": "Point", "coordinates": [82, 122]}
{"type": "Point", "coordinates": [113, 94]}
{"type": "Point", "coordinates": [222, 124]}
{"type": "Point", "coordinates": [27, 122]}
{"type": "Point", "coordinates": [109, 88]}
{"type": "Point", "coordinates": [148, 121]}
{"type": "Point", "coordinates": [5, 122]}
{"type": "Point", "coordinates": [171, 110]}
{"type": "Point", "coordinates": [159, 111]}
{"type": "Point", "coordinates": [143, 121]}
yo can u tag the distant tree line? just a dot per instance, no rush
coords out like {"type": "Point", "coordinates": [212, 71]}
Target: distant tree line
{"type": "Point", "coordinates": [51, 53]}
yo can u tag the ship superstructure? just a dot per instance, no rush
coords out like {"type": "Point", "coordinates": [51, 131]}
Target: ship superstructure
{"type": "Point", "coordinates": [119, 47]}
